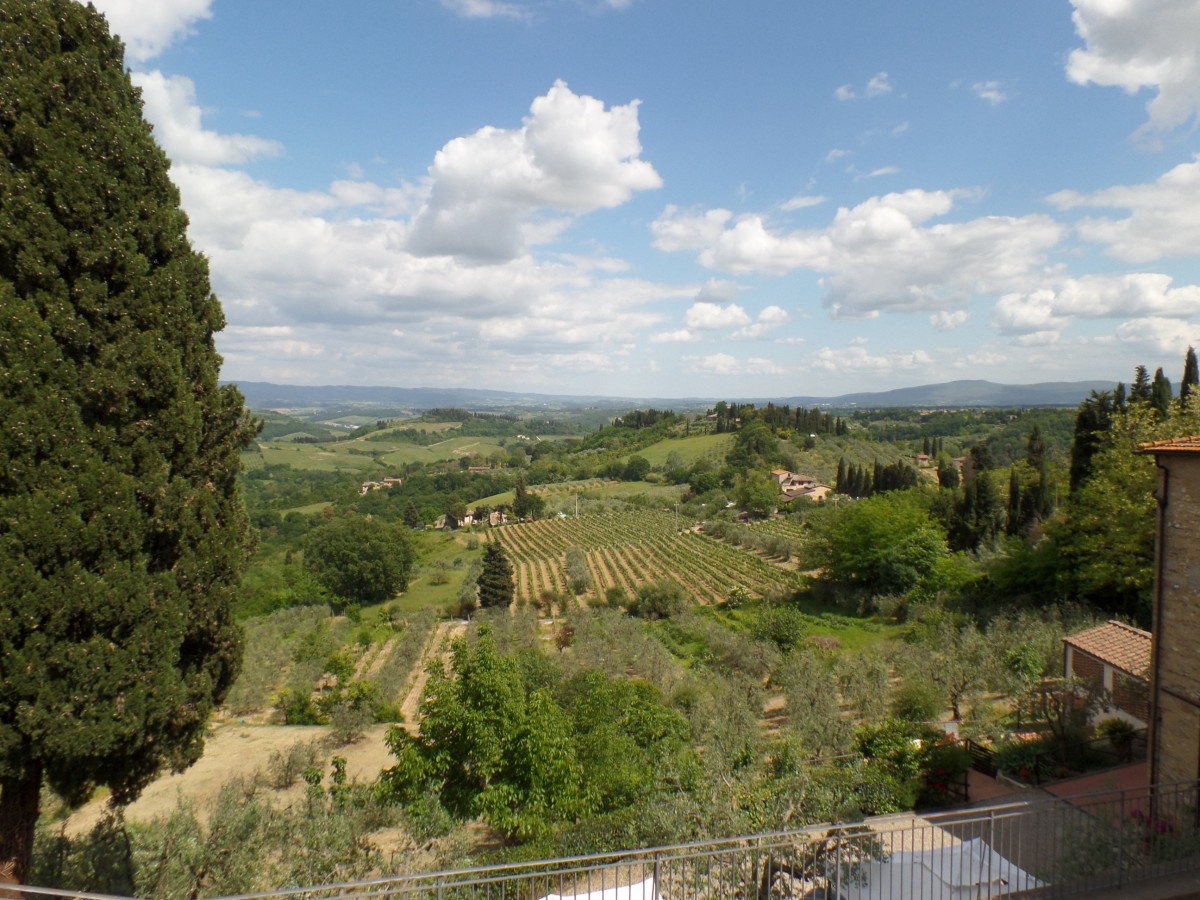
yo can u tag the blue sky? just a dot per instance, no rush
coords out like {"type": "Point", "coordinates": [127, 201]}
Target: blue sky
{"type": "Point", "coordinates": [660, 198]}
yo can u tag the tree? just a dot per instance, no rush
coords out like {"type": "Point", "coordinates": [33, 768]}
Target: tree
{"type": "Point", "coordinates": [1191, 375]}
{"type": "Point", "coordinates": [887, 544]}
{"type": "Point", "coordinates": [360, 559]}
{"type": "Point", "coordinates": [758, 492]}
{"type": "Point", "coordinates": [122, 533]}
{"type": "Point", "coordinates": [1160, 394]}
{"type": "Point", "coordinates": [496, 579]}
{"type": "Point", "coordinates": [1140, 392]}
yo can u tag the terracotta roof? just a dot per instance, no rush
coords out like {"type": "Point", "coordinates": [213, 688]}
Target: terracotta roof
{"type": "Point", "coordinates": [1174, 445]}
{"type": "Point", "coordinates": [1121, 646]}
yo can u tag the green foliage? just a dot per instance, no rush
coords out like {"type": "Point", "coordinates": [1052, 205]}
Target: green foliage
{"type": "Point", "coordinates": [496, 578]}
{"type": "Point", "coordinates": [122, 532]}
{"type": "Point", "coordinates": [660, 600]}
{"type": "Point", "coordinates": [886, 544]}
{"type": "Point", "coordinates": [529, 757]}
{"type": "Point", "coordinates": [1106, 541]}
{"type": "Point", "coordinates": [361, 560]}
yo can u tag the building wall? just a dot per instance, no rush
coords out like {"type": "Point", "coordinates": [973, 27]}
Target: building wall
{"type": "Point", "coordinates": [1176, 667]}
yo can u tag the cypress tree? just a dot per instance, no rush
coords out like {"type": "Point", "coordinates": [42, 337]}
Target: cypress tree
{"type": "Point", "coordinates": [1191, 375]}
{"type": "Point", "coordinates": [496, 579]}
{"type": "Point", "coordinates": [1160, 394]}
{"type": "Point", "coordinates": [1140, 392]}
{"type": "Point", "coordinates": [122, 532]}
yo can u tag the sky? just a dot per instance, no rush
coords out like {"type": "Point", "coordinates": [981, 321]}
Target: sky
{"type": "Point", "coordinates": [671, 198]}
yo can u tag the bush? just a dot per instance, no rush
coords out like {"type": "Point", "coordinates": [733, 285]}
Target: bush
{"type": "Point", "coordinates": [917, 701]}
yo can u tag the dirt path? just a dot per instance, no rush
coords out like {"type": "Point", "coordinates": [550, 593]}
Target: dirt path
{"type": "Point", "coordinates": [438, 645]}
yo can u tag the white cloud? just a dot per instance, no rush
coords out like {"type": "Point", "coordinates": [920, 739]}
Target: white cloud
{"type": "Point", "coordinates": [878, 173]}
{"type": "Point", "coordinates": [878, 85]}
{"type": "Point", "coordinates": [1165, 336]}
{"type": "Point", "coordinates": [1049, 310]}
{"type": "Point", "coordinates": [768, 320]}
{"type": "Point", "coordinates": [709, 316]}
{"type": "Point", "coordinates": [879, 255]}
{"type": "Point", "coordinates": [800, 201]}
{"type": "Point", "coordinates": [837, 153]}
{"type": "Point", "coordinates": [1136, 44]}
{"type": "Point", "coordinates": [1027, 314]}
{"type": "Point", "coordinates": [991, 91]}
{"type": "Point", "coordinates": [724, 364]}
{"type": "Point", "coordinates": [855, 358]}
{"type": "Point", "coordinates": [170, 103]}
{"type": "Point", "coordinates": [948, 320]}
{"type": "Point", "coordinates": [570, 154]}
{"type": "Point", "coordinates": [484, 9]}
{"type": "Point", "coordinates": [149, 28]}
{"type": "Point", "coordinates": [682, 336]}
{"type": "Point", "coordinates": [1162, 220]}
{"type": "Point", "coordinates": [714, 364]}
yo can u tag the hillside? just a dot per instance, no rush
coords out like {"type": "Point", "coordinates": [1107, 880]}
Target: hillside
{"type": "Point", "coordinates": [976, 393]}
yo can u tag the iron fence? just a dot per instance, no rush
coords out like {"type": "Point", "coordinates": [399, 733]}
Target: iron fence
{"type": "Point", "coordinates": [1049, 847]}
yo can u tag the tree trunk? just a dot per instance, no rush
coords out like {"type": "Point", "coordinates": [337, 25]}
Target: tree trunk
{"type": "Point", "coordinates": [19, 801]}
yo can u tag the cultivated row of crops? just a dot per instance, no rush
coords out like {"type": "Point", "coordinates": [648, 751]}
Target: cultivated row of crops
{"type": "Point", "coordinates": [624, 550]}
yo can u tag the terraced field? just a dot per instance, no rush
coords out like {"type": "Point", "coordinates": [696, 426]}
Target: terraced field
{"type": "Point", "coordinates": [628, 549]}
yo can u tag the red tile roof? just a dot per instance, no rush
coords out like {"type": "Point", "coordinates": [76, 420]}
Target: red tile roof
{"type": "Point", "coordinates": [1174, 445]}
{"type": "Point", "coordinates": [1121, 646]}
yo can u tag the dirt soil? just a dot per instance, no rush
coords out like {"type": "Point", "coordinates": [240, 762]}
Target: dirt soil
{"type": "Point", "coordinates": [233, 750]}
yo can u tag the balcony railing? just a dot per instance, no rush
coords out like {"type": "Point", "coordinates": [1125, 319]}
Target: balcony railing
{"type": "Point", "coordinates": [1045, 848]}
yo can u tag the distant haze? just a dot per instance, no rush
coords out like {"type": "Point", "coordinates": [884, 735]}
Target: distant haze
{"type": "Point", "coordinates": [262, 395]}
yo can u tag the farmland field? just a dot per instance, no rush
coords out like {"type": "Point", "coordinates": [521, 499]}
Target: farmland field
{"type": "Point", "coordinates": [624, 550]}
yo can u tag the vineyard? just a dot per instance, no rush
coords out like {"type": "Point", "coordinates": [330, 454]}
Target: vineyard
{"type": "Point", "coordinates": [624, 550]}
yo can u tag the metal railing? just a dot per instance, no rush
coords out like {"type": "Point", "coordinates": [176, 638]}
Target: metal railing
{"type": "Point", "coordinates": [1052, 847]}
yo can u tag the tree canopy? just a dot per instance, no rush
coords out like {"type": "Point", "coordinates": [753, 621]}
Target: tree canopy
{"type": "Point", "coordinates": [359, 559]}
{"type": "Point", "coordinates": [496, 579]}
{"type": "Point", "coordinates": [122, 533]}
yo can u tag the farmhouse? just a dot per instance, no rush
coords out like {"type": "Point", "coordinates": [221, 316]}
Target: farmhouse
{"type": "Point", "coordinates": [1175, 664]}
{"type": "Point", "coordinates": [1114, 657]}
{"type": "Point", "coordinates": [794, 486]}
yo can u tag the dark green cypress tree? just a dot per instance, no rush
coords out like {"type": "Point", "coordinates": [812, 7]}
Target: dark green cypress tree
{"type": "Point", "coordinates": [1160, 394]}
{"type": "Point", "coordinates": [122, 533]}
{"type": "Point", "coordinates": [840, 483]}
{"type": "Point", "coordinates": [1191, 376]}
{"type": "Point", "coordinates": [1015, 519]}
{"type": "Point", "coordinates": [496, 580]}
{"type": "Point", "coordinates": [1140, 392]}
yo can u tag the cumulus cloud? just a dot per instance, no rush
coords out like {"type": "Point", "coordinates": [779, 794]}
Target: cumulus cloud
{"type": "Point", "coordinates": [991, 91]}
{"type": "Point", "coordinates": [948, 320]}
{"type": "Point", "coordinates": [768, 320]}
{"type": "Point", "coordinates": [1136, 44]}
{"type": "Point", "coordinates": [484, 9]}
{"type": "Point", "coordinates": [333, 268]}
{"type": "Point", "coordinates": [709, 316]}
{"type": "Point", "coordinates": [571, 154]}
{"type": "Point", "coordinates": [1041, 316]}
{"type": "Point", "coordinates": [149, 28]}
{"type": "Point", "coordinates": [879, 255]}
{"type": "Point", "coordinates": [878, 85]}
{"type": "Point", "coordinates": [1162, 220]}
{"type": "Point", "coordinates": [724, 364]}
{"type": "Point", "coordinates": [170, 103]}
{"type": "Point", "coordinates": [856, 358]}
{"type": "Point", "coordinates": [682, 336]}
{"type": "Point", "coordinates": [1165, 336]}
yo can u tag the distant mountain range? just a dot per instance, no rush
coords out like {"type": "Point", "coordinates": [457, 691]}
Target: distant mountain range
{"type": "Point", "coordinates": [951, 394]}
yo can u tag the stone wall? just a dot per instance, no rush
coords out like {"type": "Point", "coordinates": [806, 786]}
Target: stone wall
{"type": "Point", "coordinates": [1177, 628]}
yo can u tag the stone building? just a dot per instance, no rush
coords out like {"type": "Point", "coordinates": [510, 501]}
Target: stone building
{"type": "Point", "coordinates": [1175, 664]}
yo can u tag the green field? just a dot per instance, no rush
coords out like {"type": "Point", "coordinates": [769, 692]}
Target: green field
{"type": "Point", "coordinates": [376, 456]}
{"type": "Point", "coordinates": [701, 446]}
